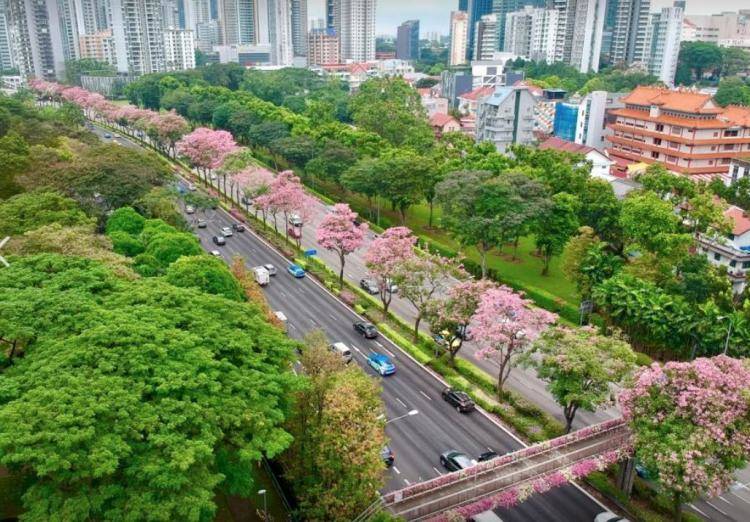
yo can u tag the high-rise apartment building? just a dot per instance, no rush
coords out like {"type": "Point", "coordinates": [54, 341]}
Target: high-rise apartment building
{"type": "Point", "coordinates": [476, 10]}
{"type": "Point", "coordinates": [501, 8]}
{"type": "Point", "coordinates": [237, 21]}
{"type": "Point", "coordinates": [624, 34]}
{"type": "Point", "coordinates": [485, 38]}
{"type": "Point", "coordinates": [179, 49]}
{"type": "Point", "coordinates": [459, 36]}
{"type": "Point", "coordinates": [280, 32]}
{"type": "Point", "coordinates": [726, 29]}
{"type": "Point", "coordinates": [354, 22]}
{"type": "Point", "coordinates": [579, 41]}
{"type": "Point", "coordinates": [407, 40]}
{"type": "Point", "coordinates": [532, 33]}
{"type": "Point", "coordinates": [137, 31]}
{"type": "Point", "coordinates": [323, 47]}
{"type": "Point", "coordinates": [663, 36]}
{"type": "Point", "coordinates": [98, 46]}
{"type": "Point", "coordinates": [36, 39]}
{"type": "Point", "coordinates": [7, 57]}
{"type": "Point", "coordinates": [299, 27]}
{"type": "Point", "coordinates": [506, 117]}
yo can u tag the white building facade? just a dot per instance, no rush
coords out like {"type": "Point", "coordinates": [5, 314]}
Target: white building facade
{"type": "Point", "coordinates": [506, 117]}
{"type": "Point", "coordinates": [179, 49]}
{"type": "Point", "coordinates": [663, 37]}
{"type": "Point", "coordinates": [459, 36]}
{"type": "Point", "coordinates": [531, 33]}
{"type": "Point", "coordinates": [354, 21]}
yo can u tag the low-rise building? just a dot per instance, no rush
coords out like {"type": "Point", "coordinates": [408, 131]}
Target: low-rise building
{"type": "Point", "coordinates": [732, 252]}
{"type": "Point", "coordinates": [600, 162]}
{"type": "Point", "coordinates": [432, 103]}
{"type": "Point", "coordinates": [506, 117]}
{"type": "Point", "coordinates": [442, 123]}
{"type": "Point", "coordinates": [739, 168]}
{"type": "Point", "coordinates": [469, 101]}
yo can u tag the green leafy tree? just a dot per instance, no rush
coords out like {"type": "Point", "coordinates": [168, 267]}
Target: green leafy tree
{"type": "Point", "coordinates": [31, 210]}
{"type": "Point", "coordinates": [338, 406]}
{"type": "Point", "coordinates": [648, 222]}
{"type": "Point", "coordinates": [364, 178]}
{"type": "Point", "coordinates": [208, 274]}
{"type": "Point", "coordinates": [587, 261]}
{"type": "Point", "coordinates": [700, 58]}
{"type": "Point", "coordinates": [331, 162]}
{"type": "Point", "coordinates": [732, 91]}
{"type": "Point", "coordinates": [125, 219]}
{"type": "Point", "coordinates": [86, 66]}
{"type": "Point", "coordinates": [162, 203]}
{"type": "Point", "coordinates": [124, 407]}
{"type": "Point", "coordinates": [580, 365]}
{"type": "Point", "coordinates": [403, 173]}
{"type": "Point", "coordinates": [600, 210]}
{"type": "Point", "coordinates": [14, 160]}
{"type": "Point", "coordinates": [733, 61]}
{"type": "Point", "coordinates": [555, 227]}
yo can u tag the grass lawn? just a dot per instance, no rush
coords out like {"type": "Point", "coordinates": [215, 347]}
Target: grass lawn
{"type": "Point", "coordinates": [526, 270]}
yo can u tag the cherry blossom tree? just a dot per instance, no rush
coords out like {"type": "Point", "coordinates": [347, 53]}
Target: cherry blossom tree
{"type": "Point", "coordinates": [337, 232]}
{"type": "Point", "coordinates": [206, 148]}
{"type": "Point", "coordinates": [503, 325]}
{"type": "Point", "coordinates": [421, 278]}
{"type": "Point", "coordinates": [449, 315]}
{"type": "Point", "coordinates": [691, 424]}
{"type": "Point", "coordinates": [252, 182]}
{"type": "Point", "coordinates": [287, 195]}
{"type": "Point", "coordinates": [166, 129]}
{"type": "Point", "coordinates": [386, 252]}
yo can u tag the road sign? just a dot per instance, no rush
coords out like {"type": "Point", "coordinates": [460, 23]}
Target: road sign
{"type": "Point", "coordinates": [311, 252]}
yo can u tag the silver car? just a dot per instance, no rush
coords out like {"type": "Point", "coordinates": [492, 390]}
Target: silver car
{"type": "Point", "coordinates": [226, 231]}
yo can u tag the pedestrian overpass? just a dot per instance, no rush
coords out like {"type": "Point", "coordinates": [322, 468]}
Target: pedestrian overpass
{"type": "Point", "coordinates": [534, 469]}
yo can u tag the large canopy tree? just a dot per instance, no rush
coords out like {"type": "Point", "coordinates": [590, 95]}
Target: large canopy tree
{"type": "Point", "coordinates": [135, 400]}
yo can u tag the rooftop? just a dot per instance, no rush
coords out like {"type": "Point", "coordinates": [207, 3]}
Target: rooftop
{"type": "Point", "coordinates": [476, 94]}
{"type": "Point", "coordinates": [441, 120]}
{"type": "Point", "coordinates": [568, 146]}
{"type": "Point", "coordinates": [740, 220]}
{"type": "Point", "coordinates": [680, 100]}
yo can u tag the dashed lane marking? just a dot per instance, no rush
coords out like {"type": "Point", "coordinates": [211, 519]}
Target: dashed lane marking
{"type": "Point", "coordinates": [402, 403]}
{"type": "Point", "coordinates": [699, 511]}
{"type": "Point", "coordinates": [407, 482]}
{"type": "Point", "coordinates": [436, 470]}
{"type": "Point", "coordinates": [425, 395]}
{"type": "Point", "coordinates": [396, 470]}
{"type": "Point", "coordinates": [717, 509]}
{"type": "Point", "coordinates": [725, 500]}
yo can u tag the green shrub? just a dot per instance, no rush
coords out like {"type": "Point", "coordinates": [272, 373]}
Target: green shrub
{"type": "Point", "coordinates": [410, 348]}
{"type": "Point", "coordinates": [359, 308]}
{"type": "Point", "coordinates": [641, 359]}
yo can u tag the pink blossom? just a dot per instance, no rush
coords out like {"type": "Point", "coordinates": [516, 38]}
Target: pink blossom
{"type": "Point", "coordinates": [386, 252]}
{"type": "Point", "coordinates": [206, 148]}
{"type": "Point", "coordinates": [337, 232]}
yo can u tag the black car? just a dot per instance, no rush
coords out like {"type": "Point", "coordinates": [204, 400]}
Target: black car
{"type": "Point", "coordinates": [366, 329]}
{"type": "Point", "coordinates": [455, 460]}
{"type": "Point", "coordinates": [487, 455]}
{"type": "Point", "coordinates": [387, 455]}
{"type": "Point", "coordinates": [220, 240]}
{"type": "Point", "coordinates": [238, 227]}
{"type": "Point", "coordinates": [459, 399]}
{"type": "Point", "coordinates": [370, 286]}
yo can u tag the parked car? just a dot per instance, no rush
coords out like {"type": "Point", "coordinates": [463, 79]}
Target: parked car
{"type": "Point", "coordinates": [215, 253]}
{"type": "Point", "coordinates": [107, 135]}
{"type": "Point", "coordinates": [295, 220]}
{"type": "Point", "coordinates": [441, 340]}
{"type": "Point", "coordinates": [366, 329]}
{"type": "Point", "coordinates": [464, 332]}
{"type": "Point", "coordinates": [387, 455]}
{"type": "Point", "coordinates": [189, 210]}
{"type": "Point", "coordinates": [459, 399]}
{"type": "Point", "coordinates": [453, 460]}
{"type": "Point", "coordinates": [202, 223]}
{"type": "Point", "coordinates": [381, 363]}
{"type": "Point", "coordinates": [226, 231]}
{"type": "Point", "coordinates": [369, 285]}
{"type": "Point", "coordinates": [238, 227]}
{"type": "Point", "coordinates": [608, 516]}
{"type": "Point", "coordinates": [342, 350]}
{"type": "Point", "coordinates": [391, 286]}
{"type": "Point", "coordinates": [271, 269]}
{"type": "Point", "coordinates": [296, 270]}
{"type": "Point", "coordinates": [220, 240]}
{"type": "Point", "coordinates": [487, 455]}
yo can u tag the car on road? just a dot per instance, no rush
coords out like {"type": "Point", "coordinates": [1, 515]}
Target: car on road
{"type": "Point", "coordinates": [296, 270]}
{"type": "Point", "coordinates": [369, 285]}
{"type": "Point", "coordinates": [366, 329]}
{"type": "Point", "coordinates": [453, 460]}
{"type": "Point", "coordinates": [487, 455]}
{"type": "Point", "coordinates": [220, 240]}
{"type": "Point", "coordinates": [608, 516]}
{"type": "Point", "coordinates": [381, 363]}
{"type": "Point", "coordinates": [459, 399]}
{"type": "Point", "coordinates": [387, 455]}
{"type": "Point", "coordinates": [189, 210]}
{"type": "Point", "coordinates": [295, 220]}
{"type": "Point", "coordinates": [226, 231]}
{"type": "Point", "coordinates": [238, 227]}
{"type": "Point", "coordinates": [464, 332]}
{"type": "Point", "coordinates": [391, 286]}
{"type": "Point", "coordinates": [215, 253]}
{"type": "Point", "coordinates": [342, 350]}
{"type": "Point", "coordinates": [262, 277]}
{"type": "Point", "coordinates": [202, 223]}
{"type": "Point", "coordinates": [271, 269]}
{"type": "Point", "coordinates": [107, 135]}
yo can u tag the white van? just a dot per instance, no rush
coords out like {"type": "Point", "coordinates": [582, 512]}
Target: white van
{"type": "Point", "coordinates": [342, 350]}
{"type": "Point", "coordinates": [262, 277]}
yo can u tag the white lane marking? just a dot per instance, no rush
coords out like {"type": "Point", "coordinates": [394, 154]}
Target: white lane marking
{"type": "Point", "coordinates": [436, 470]}
{"type": "Point", "coordinates": [396, 470]}
{"type": "Point", "coordinates": [313, 322]}
{"type": "Point", "coordinates": [717, 509]}
{"type": "Point", "coordinates": [725, 500]}
{"type": "Point", "coordinates": [378, 343]}
{"type": "Point", "coordinates": [332, 316]}
{"type": "Point", "coordinates": [407, 482]}
{"type": "Point", "coordinates": [402, 403]}
{"type": "Point", "coordinates": [490, 448]}
{"type": "Point", "coordinates": [357, 349]}
{"type": "Point", "coordinates": [699, 511]}
{"type": "Point", "coordinates": [425, 395]}
{"type": "Point", "coordinates": [386, 350]}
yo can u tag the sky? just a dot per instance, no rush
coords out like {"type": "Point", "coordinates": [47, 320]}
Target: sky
{"type": "Point", "coordinates": [434, 15]}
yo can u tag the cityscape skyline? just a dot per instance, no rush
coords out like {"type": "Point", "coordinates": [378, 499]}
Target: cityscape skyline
{"type": "Point", "coordinates": [434, 15]}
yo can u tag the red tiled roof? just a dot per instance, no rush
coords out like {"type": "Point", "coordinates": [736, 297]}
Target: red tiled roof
{"type": "Point", "coordinates": [479, 92]}
{"type": "Point", "coordinates": [740, 220]}
{"type": "Point", "coordinates": [568, 146]}
{"type": "Point", "coordinates": [535, 89]}
{"type": "Point", "coordinates": [736, 115]}
{"type": "Point", "coordinates": [441, 120]}
{"type": "Point", "coordinates": [676, 100]}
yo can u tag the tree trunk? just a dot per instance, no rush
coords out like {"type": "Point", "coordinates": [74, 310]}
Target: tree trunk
{"type": "Point", "coordinates": [453, 351]}
{"type": "Point", "coordinates": [416, 327]}
{"type": "Point", "coordinates": [547, 259]}
{"type": "Point", "coordinates": [515, 248]}
{"type": "Point", "coordinates": [502, 375]}
{"type": "Point", "coordinates": [342, 258]}
{"type": "Point", "coordinates": [677, 506]}
{"type": "Point", "coordinates": [483, 255]}
{"type": "Point", "coordinates": [429, 220]}
{"type": "Point", "coordinates": [569, 412]}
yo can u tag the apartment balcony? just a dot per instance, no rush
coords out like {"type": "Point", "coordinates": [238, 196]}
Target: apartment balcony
{"type": "Point", "coordinates": [679, 139]}
{"type": "Point", "coordinates": [717, 155]}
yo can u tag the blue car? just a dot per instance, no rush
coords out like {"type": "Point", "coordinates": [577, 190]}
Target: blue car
{"type": "Point", "coordinates": [381, 364]}
{"type": "Point", "coordinates": [296, 271]}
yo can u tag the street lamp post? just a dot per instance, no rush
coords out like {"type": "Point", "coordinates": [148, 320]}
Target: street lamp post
{"type": "Point", "coordinates": [729, 330]}
{"type": "Point", "coordinates": [262, 493]}
{"type": "Point", "coordinates": [411, 413]}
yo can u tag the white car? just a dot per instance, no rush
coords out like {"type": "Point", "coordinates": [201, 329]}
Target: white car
{"type": "Point", "coordinates": [215, 253]}
{"type": "Point", "coordinates": [189, 210]}
{"type": "Point", "coordinates": [608, 516]}
{"type": "Point", "coordinates": [271, 269]}
{"type": "Point", "coordinates": [226, 231]}
{"type": "Point", "coordinates": [295, 220]}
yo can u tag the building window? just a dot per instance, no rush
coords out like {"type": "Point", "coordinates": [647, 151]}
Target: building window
{"type": "Point", "coordinates": [728, 146]}
{"type": "Point", "coordinates": [717, 257]}
{"type": "Point", "coordinates": [716, 134]}
{"type": "Point", "coordinates": [657, 141]}
{"type": "Point", "coordinates": [659, 127]}
{"type": "Point", "coordinates": [746, 264]}
{"type": "Point", "coordinates": [733, 263]}
{"type": "Point", "coordinates": [713, 147]}
{"type": "Point", "coordinates": [654, 154]}
{"type": "Point", "coordinates": [731, 133]}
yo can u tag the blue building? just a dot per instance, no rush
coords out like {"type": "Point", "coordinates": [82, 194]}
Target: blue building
{"type": "Point", "coordinates": [566, 120]}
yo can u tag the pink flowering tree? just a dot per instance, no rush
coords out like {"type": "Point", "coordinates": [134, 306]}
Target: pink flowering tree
{"type": "Point", "coordinates": [691, 424]}
{"type": "Point", "coordinates": [250, 183]}
{"type": "Point", "coordinates": [166, 129]}
{"type": "Point", "coordinates": [449, 315]}
{"type": "Point", "coordinates": [503, 325]}
{"type": "Point", "coordinates": [287, 196]}
{"type": "Point", "coordinates": [337, 232]}
{"type": "Point", "coordinates": [391, 248]}
{"type": "Point", "coordinates": [206, 148]}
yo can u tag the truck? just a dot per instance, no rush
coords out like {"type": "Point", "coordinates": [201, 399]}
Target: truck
{"type": "Point", "coordinates": [262, 277]}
